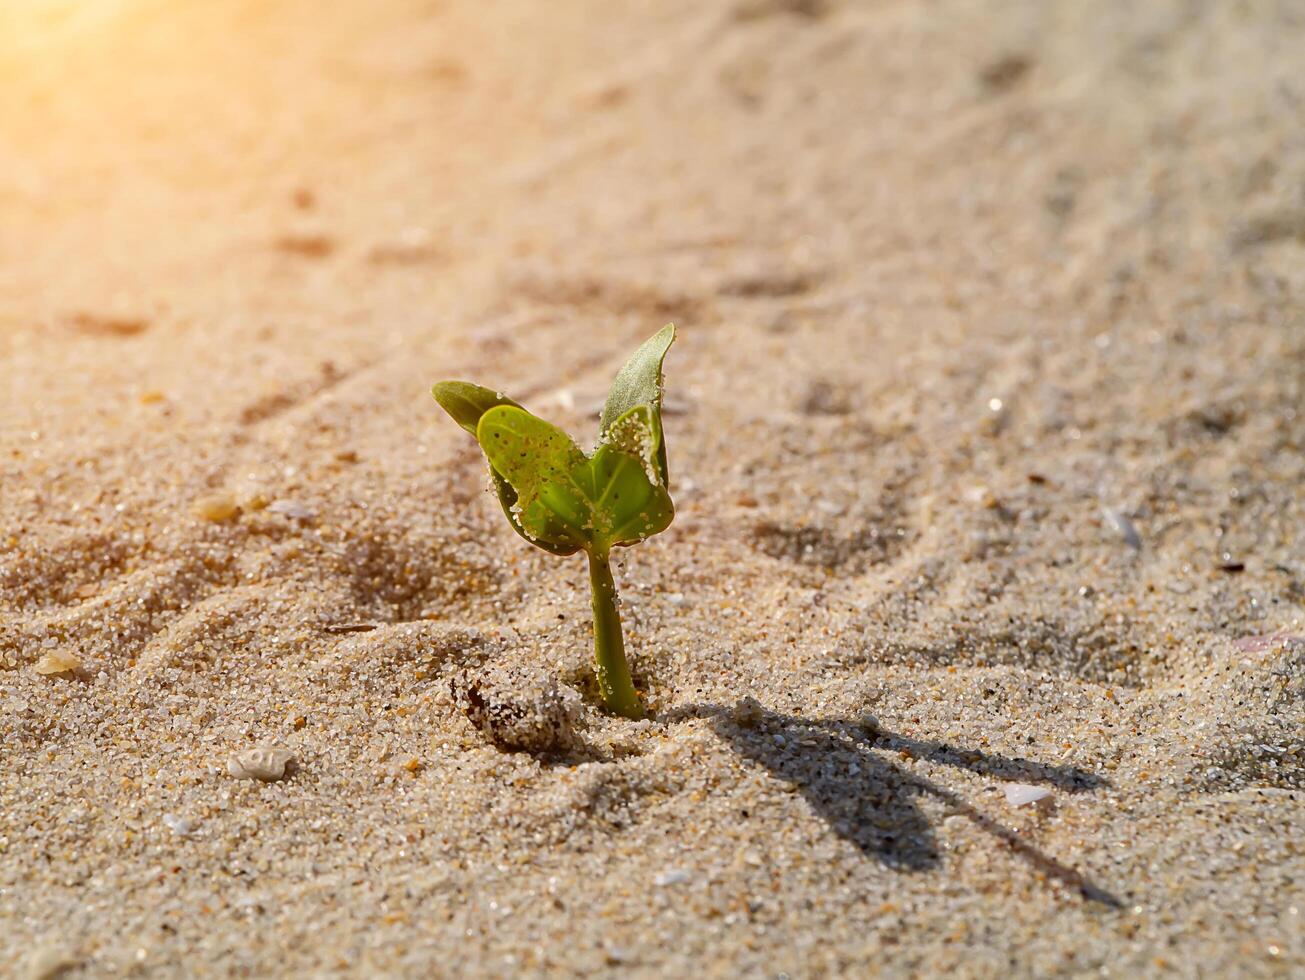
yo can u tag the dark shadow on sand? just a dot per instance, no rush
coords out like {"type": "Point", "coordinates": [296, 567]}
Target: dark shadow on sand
{"type": "Point", "coordinates": [839, 767]}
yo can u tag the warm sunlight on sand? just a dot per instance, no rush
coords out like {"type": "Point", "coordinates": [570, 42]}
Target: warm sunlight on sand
{"type": "Point", "coordinates": [35, 23]}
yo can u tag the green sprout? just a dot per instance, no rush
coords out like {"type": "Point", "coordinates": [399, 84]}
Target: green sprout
{"type": "Point", "coordinates": [562, 500]}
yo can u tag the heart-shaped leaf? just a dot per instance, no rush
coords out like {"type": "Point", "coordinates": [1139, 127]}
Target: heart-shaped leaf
{"type": "Point", "coordinates": [638, 383]}
{"type": "Point", "coordinates": [467, 403]}
{"type": "Point", "coordinates": [565, 499]}
{"type": "Point", "coordinates": [534, 460]}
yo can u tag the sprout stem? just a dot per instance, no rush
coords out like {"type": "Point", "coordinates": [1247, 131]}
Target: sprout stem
{"type": "Point", "coordinates": [609, 643]}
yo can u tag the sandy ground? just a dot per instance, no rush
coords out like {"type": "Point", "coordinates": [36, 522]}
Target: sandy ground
{"type": "Point", "coordinates": [985, 429]}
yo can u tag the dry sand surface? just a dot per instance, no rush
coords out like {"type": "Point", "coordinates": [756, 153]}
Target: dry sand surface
{"type": "Point", "coordinates": [987, 436]}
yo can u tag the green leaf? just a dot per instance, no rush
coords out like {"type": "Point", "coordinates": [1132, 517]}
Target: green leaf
{"type": "Point", "coordinates": [638, 383]}
{"type": "Point", "coordinates": [628, 505]}
{"type": "Point", "coordinates": [467, 402]}
{"type": "Point", "coordinates": [555, 541]}
{"type": "Point", "coordinates": [566, 499]}
{"type": "Point", "coordinates": [534, 460]}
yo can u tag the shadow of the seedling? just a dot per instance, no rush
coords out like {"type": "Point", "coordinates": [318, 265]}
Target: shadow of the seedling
{"type": "Point", "coordinates": [839, 767]}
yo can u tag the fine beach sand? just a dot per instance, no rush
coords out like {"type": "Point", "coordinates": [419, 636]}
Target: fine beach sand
{"type": "Point", "coordinates": [987, 437]}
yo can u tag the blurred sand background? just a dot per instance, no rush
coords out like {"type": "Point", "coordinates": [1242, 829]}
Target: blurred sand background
{"type": "Point", "coordinates": [985, 429]}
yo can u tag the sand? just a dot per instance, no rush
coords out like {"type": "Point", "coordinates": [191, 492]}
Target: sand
{"type": "Point", "coordinates": [986, 435]}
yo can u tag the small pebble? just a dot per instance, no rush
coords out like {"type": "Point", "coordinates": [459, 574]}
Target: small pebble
{"type": "Point", "coordinates": [1022, 794]}
{"type": "Point", "coordinates": [179, 825]}
{"type": "Point", "coordinates": [217, 507]}
{"type": "Point", "coordinates": [265, 762]}
{"type": "Point", "coordinates": [674, 877]}
{"type": "Point", "coordinates": [49, 962]}
{"type": "Point", "coordinates": [1118, 520]}
{"type": "Point", "coordinates": [59, 662]}
{"type": "Point", "coordinates": [616, 955]}
{"type": "Point", "coordinates": [564, 398]}
{"type": "Point", "coordinates": [822, 397]}
{"type": "Point", "coordinates": [292, 508]}
{"type": "Point", "coordinates": [1267, 641]}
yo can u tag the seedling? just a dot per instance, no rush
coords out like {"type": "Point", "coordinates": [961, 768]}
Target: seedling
{"type": "Point", "coordinates": [563, 500]}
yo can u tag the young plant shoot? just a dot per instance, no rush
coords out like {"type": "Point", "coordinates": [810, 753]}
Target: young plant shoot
{"type": "Point", "coordinates": [563, 500]}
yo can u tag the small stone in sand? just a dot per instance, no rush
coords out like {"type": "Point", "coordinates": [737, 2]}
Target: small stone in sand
{"type": "Point", "coordinates": [49, 962]}
{"type": "Point", "coordinates": [264, 762]}
{"type": "Point", "coordinates": [292, 508]}
{"type": "Point", "coordinates": [1118, 520]}
{"type": "Point", "coordinates": [673, 877]}
{"type": "Point", "coordinates": [216, 507]}
{"type": "Point", "coordinates": [59, 662]}
{"type": "Point", "coordinates": [179, 825]}
{"type": "Point", "coordinates": [1022, 794]}
{"type": "Point", "coordinates": [615, 955]}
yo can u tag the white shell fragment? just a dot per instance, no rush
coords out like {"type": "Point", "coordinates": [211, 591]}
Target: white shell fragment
{"type": "Point", "coordinates": [292, 508]}
{"type": "Point", "coordinates": [179, 825]}
{"type": "Point", "coordinates": [1022, 794]}
{"type": "Point", "coordinates": [673, 877]}
{"type": "Point", "coordinates": [58, 662]}
{"type": "Point", "coordinates": [265, 762]}
{"type": "Point", "coordinates": [1118, 520]}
